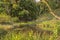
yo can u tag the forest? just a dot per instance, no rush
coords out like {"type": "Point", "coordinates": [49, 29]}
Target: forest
{"type": "Point", "coordinates": [29, 19]}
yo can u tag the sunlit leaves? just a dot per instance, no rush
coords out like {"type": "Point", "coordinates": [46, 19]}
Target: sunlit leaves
{"type": "Point", "coordinates": [15, 6]}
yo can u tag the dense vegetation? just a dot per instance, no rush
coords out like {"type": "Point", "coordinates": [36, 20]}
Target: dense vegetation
{"type": "Point", "coordinates": [29, 20]}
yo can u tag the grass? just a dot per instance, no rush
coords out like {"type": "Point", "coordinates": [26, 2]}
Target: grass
{"type": "Point", "coordinates": [46, 29]}
{"type": "Point", "coordinates": [28, 33]}
{"type": "Point", "coordinates": [26, 36]}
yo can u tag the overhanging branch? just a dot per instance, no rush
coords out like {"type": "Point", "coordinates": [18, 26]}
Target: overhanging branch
{"type": "Point", "coordinates": [50, 10]}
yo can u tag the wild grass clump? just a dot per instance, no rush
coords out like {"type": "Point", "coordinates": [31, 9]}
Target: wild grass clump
{"type": "Point", "coordinates": [47, 30]}
{"type": "Point", "coordinates": [52, 25]}
{"type": "Point", "coordinates": [26, 36]}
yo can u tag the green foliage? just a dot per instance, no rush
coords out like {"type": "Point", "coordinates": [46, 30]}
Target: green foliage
{"type": "Point", "coordinates": [54, 4]}
{"type": "Point", "coordinates": [15, 19]}
{"type": "Point", "coordinates": [26, 10]}
{"type": "Point", "coordinates": [4, 17]}
{"type": "Point", "coordinates": [21, 11]}
{"type": "Point", "coordinates": [17, 9]}
{"type": "Point", "coordinates": [23, 15]}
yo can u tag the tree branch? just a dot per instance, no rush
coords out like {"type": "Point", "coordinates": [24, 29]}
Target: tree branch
{"type": "Point", "coordinates": [50, 10]}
